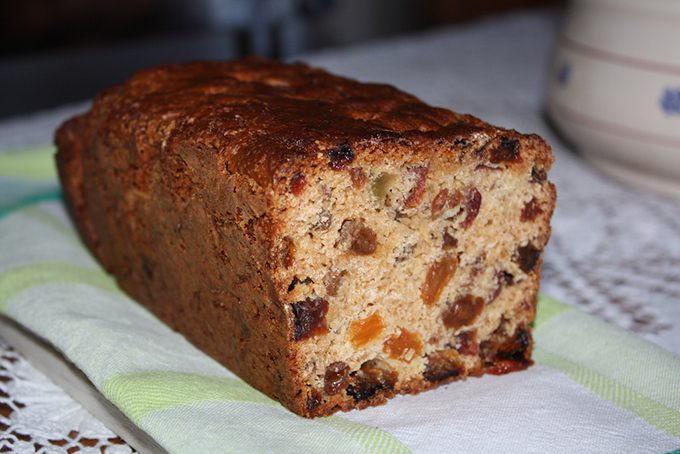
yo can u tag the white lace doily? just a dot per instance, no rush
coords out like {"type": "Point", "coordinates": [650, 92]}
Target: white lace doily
{"type": "Point", "coordinates": [36, 416]}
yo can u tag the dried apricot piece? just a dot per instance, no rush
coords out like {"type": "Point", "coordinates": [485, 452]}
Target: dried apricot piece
{"type": "Point", "coordinates": [405, 346]}
{"type": "Point", "coordinates": [363, 331]}
{"type": "Point", "coordinates": [438, 276]}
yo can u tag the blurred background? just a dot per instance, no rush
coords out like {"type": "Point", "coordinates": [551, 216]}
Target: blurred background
{"type": "Point", "coordinates": [54, 52]}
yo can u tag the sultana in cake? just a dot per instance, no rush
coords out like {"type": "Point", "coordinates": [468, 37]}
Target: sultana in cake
{"type": "Point", "coordinates": [332, 242]}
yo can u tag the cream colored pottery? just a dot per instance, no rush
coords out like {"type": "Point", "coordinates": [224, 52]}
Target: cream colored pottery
{"type": "Point", "coordinates": [614, 88]}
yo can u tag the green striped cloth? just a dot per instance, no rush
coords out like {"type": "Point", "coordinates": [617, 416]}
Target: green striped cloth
{"type": "Point", "coordinates": [594, 388]}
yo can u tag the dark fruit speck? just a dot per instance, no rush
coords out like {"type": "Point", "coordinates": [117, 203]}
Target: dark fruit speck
{"type": "Point", "coordinates": [371, 378]}
{"type": "Point", "coordinates": [507, 151]}
{"type": "Point", "coordinates": [530, 211]}
{"type": "Point", "coordinates": [462, 311]}
{"type": "Point", "coordinates": [297, 184]}
{"type": "Point", "coordinates": [473, 200]}
{"type": "Point", "coordinates": [527, 257]}
{"type": "Point", "coordinates": [310, 318]}
{"type": "Point", "coordinates": [443, 365]}
{"type": "Point", "coordinates": [336, 378]}
{"type": "Point", "coordinates": [538, 175]}
{"type": "Point", "coordinates": [341, 157]}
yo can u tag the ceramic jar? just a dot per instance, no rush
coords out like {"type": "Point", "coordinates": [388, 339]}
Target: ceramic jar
{"type": "Point", "coordinates": [614, 88]}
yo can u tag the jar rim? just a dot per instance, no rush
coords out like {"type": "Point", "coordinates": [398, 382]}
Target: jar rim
{"type": "Point", "coordinates": [648, 6]}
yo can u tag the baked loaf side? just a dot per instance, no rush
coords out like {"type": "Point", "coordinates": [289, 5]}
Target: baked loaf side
{"type": "Point", "coordinates": [332, 242]}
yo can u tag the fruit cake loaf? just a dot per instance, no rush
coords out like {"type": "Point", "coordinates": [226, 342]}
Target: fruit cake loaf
{"type": "Point", "coordinates": [332, 242]}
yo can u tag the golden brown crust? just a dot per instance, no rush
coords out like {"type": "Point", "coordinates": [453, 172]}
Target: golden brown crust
{"type": "Point", "coordinates": [261, 209]}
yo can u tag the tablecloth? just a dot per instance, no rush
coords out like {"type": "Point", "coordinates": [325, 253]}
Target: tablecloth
{"type": "Point", "coordinates": [607, 377]}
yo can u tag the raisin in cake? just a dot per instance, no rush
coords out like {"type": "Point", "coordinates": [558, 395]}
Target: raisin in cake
{"type": "Point", "coordinates": [332, 242]}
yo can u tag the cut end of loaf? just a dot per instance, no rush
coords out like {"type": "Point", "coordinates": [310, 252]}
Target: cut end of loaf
{"type": "Point", "coordinates": [403, 275]}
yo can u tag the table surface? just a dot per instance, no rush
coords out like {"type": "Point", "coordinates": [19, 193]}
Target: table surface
{"type": "Point", "coordinates": [615, 249]}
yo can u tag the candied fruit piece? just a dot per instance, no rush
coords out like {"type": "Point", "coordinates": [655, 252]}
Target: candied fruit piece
{"type": "Point", "coordinates": [296, 280]}
{"type": "Point", "coordinates": [527, 257]}
{"type": "Point", "coordinates": [373, 376]}
{"type": "Point", "coordinates": [310, 318]}
{"type": "Point", "coordinates": [504, 353]}
{"type": "Point", "coordinates": [442, 365]}
{"type": "Point", "coordinates": [287, 253]}
{"type": "Point", "coordinates": [517, 346]}
{"type": "Point", "coordinates": [382, 184]}
{"type": "Point", "coordinates": [332, 281]}
{"type": "Point", "coordinates": [507, 151]}
{"type": "Point", "coordinates": [439, 201]}
{"type": "Point", "coordinates": [365, 241]}
{"type": "Point", "coordinates": [358, 237]}
{"type": "Point", "coordinates": [530, 211]}
{"type": "Point", "coordinates": [324, 220]}
{"type": "Point", "coordinates": [462, 311]}
{"type": "Point", "coordinates": [340, 157]}
{"type": "Point", "coordinates": [314, 400]}
{"type": "Point", "coordinates": [361, 332]}
{"type": "Point", "coordinates": [473, 200]}
{"type": "Point", "coordinates": [405, 346]}
{"type": "Point", "coordinates": [438, 276]}
{"type": "Point", "coordinates": [455, 199]}
{"type": "Point", "coordinates": [467, 343]}
{"type": "Point", "coordinates": [449, 242]}
{"type": "Point", "coordinates": [416, 193]}
{"type": "Point", "coordinates": [336, 378]}
{"type": "Point", "coordinates": [298, 183]}
{"type": "Point", "coordinates": [538, 175]}
{"type": "Point", "coordinates": [503, 279]}
{"type": "Point", "coordinates": [505, 366]}
{"type": "Point", "coordinates": [358, 177]}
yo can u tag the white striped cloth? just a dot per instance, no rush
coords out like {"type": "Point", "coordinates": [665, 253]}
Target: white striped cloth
{"type": "Point", "coordinates": [594, 388]}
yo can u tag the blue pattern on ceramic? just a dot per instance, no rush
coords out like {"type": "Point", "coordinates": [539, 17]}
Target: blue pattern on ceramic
{"type": "Point", "coordinates": [564, 73]}
{"type": "Point", "coordinates": [670, 101]}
